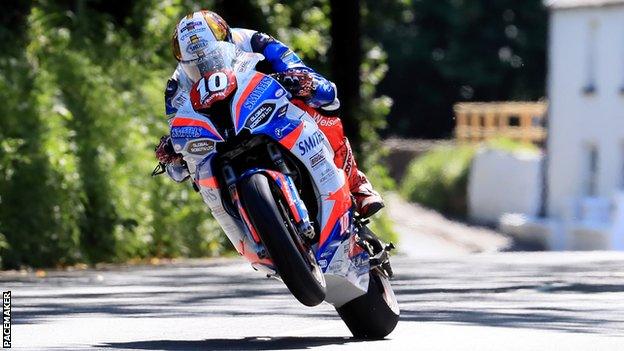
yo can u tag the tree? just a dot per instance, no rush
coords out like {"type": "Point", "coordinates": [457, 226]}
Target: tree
{"type": "Point", "coordinates": [444, 51]}
{"type": "Point", "coordinates": [345, 60]}
{"type": "Point", "coordinates": [250, 17]}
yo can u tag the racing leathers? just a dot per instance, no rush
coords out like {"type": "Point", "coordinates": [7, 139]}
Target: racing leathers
{"type": "Point", "coordinates": [321, 102]}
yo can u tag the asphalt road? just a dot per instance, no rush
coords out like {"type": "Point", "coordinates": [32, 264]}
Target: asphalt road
{"type": "Point", "coordinates": [498, 301]}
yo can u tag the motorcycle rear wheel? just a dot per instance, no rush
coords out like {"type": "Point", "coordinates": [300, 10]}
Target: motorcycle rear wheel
{"type": "Point", "coordinates": [375, 314]}
{"type": "Point", "coordinates": [295, 264]}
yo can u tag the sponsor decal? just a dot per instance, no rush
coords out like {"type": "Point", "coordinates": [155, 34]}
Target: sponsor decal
{"type": "Point", "coordinates": [317, 158]}
{"type": "Point", "coordinates": [192, 32]}
{"type": "Point", "coordinates": [201, 147]}
{"type": "Point", "coordinates": [282, 111]}
{"type": "Point", "coordinates": [260, 115]}
{"type": "Point", "coordinates": [279, 132]}
{"type": "Point", "coordinates": [326, 121]}
{"type": "Point", "coordinates": [185, 132]}
{"type": "Point", "coordinates": [348, 165]}
{"type": "Point", "coordinates": [210, 195]}
{"type": "Point", "coordinates": [322, 263]}
{"type": "Point", "coordinates": [243, 66]}
{"type": "Point", "coordinates": [311, 142]}
{"type": "Point", "coordinates": [196, 44]}
{"type": "Point", "coordinates": [255, 95]}
{"type": "Point", "coordinates": [279, 93]}
{"type": "Point", "coordinates": [327, 174]}
{"type": "Point", "coordinates": [177, 147]}
{"type": "Point", "coordinates": [179, 100]}
{"type": "Point", "coordinates": [190, 26]}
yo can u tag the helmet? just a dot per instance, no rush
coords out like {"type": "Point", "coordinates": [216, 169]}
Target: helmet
{"type": "Point", "coordinates": [195, 39]}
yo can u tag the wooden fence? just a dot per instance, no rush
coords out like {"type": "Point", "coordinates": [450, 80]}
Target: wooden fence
{"type": "Point", "coordinates": [524, 121]}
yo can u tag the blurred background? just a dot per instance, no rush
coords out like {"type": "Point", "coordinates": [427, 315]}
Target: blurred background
{"type": "Point", "coordinates": [444, 100]}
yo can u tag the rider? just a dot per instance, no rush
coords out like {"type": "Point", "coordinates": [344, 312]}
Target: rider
{"type": "Point", "coordinates": [310, 91]}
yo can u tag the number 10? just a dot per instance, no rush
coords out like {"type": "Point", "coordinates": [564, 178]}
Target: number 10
{"type": "Point", "coordinates": [215, 83]}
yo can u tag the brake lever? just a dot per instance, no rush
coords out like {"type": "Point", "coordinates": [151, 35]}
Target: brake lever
{"type": "Point", "coordinates": [159, 169]}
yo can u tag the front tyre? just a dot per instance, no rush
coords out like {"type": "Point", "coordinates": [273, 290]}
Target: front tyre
{"type": "Point", "coordinates": [294, 262]}
{"type": "Point", "coordinates": [374, 314]}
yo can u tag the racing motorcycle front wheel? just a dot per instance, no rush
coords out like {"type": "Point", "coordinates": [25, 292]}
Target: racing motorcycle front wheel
{"type": "Point", "coordinates": [374, 314]}
{"type": "Point", "coordinates": [294, 261]}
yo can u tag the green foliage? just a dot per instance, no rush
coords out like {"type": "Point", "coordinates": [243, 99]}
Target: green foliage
{"type": "Point", "coordinates": [34, 226]}
{"type": "Point", "coordinates": [383, 227]}
{"type": "Point", "coordinates": [82, 109]}
{"type": "Point", "coordinates": [510, 145]}
{"type": "Point", "coordinates": [378, 175]}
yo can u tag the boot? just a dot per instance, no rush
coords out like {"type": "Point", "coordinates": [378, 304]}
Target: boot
{"type": "Point", "coordinates": [367, 200]}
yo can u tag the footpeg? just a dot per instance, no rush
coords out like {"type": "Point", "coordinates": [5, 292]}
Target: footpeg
{"type": "Point", "coordinates": [381, 260]}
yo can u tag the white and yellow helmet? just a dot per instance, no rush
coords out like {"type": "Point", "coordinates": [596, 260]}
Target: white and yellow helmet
{"type": "Point", "coordinates": [195, 37]}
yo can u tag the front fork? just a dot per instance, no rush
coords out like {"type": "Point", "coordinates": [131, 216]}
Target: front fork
{"type": "Point", "coordinates": [287, 188]}
{"type": "Point", "coordinates": [304, 226]}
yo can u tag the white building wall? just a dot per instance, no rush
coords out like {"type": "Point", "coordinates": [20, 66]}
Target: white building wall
{"type": "Point", "coordinates": [502, 182]}
{"type": "Point", "coordinates": [577, 119]}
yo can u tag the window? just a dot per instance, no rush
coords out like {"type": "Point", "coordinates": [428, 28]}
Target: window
{"type": "Point", "coordinates": [514, 121]}
{"type": "Point", "coordinates": [622, 67]}
{"type": "Point", "coordinates": [621, 185]}
{"type": "Point", "coordinates": [590, 60]}
{"type": "Point", "coordinates": [591, 170]}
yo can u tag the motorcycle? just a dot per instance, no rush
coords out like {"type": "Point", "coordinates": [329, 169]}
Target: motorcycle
{"type": "Point", "coordinates": [266, 172]}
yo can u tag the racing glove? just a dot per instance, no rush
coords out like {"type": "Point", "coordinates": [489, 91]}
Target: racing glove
{"type": "Point", "coordinates": [165, 153]}
{"type": "Point", "coordinates": [298, 82]}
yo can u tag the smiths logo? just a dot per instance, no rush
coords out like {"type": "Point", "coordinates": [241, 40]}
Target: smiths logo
{"type": "Point", "coordinates": [200, 147]}
{"type": "Point", "coordinates": [186, 132]}
{"type": "Point", "coordinates": [255, 95]}
{"type": "Point", "coordinates": [311, 142]}
{"type": "Point", "coordinates": [196, 44]}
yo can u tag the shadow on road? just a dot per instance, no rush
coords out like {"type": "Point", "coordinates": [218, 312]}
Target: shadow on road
{"type": "Point", "coordinates": [578, 298]}
{"type": "Point", "coordinates": [583, 297]}
{"type": "Point", "coordinates": [247, 343]}
{"type": "Point", "coordinates": [549, 319]}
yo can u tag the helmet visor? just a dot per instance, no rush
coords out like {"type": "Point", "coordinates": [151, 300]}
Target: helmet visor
{"type": "Point", "coordinates": [216, 55]}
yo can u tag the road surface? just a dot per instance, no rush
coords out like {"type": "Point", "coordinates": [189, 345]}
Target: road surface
{"type": "Point", "coordinates": [489, 301]}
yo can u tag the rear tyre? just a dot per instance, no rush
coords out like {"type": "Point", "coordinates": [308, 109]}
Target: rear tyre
{"type": "Point", "coordinates": [374, 314]}
{"type": "Point", "coordinates": [295, 263]}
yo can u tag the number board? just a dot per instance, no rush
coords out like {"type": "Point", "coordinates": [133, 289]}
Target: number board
{"type": "Point", "coordinates": [212, 87]}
